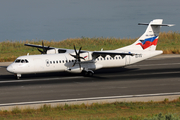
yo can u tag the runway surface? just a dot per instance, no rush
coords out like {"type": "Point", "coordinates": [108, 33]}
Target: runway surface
{"type": "Point", "coordinates": [155, 75]}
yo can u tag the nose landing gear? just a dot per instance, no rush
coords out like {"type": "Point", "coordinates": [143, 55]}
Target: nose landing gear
{"type": "Point", "coordinates": [18, 76]}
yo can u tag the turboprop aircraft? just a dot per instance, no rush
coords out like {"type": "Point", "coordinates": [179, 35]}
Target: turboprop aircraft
{"type": "Point", "coordinates": [82, 61]}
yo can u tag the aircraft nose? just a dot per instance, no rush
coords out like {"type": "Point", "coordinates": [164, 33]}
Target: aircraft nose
{"type": "Point", "coordinates": [10, 69]}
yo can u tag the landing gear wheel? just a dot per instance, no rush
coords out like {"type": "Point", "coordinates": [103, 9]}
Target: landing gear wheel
{"type": "Point", "coordinates": [90, 74]}
{"type": "Point", "coordinates": [18, 76]}
{"type": "Point", "coordinates": [85, 73]}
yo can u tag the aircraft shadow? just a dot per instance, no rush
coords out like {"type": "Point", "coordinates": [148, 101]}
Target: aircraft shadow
{"type": "Point", "coordinates": [63, 75]}
{"type": "Point", "coordinates": [117, 74]}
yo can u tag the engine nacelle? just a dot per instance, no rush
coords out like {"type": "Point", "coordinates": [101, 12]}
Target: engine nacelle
{"type": "Point", "coordinates": [74, 70]}
{"type": "Point", "coordinates": [52, 51]}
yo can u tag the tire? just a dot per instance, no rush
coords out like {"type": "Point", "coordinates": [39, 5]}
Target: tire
{"type": "Point", "coordinates": [90, 74]}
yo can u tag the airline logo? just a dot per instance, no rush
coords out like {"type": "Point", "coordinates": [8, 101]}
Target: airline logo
{"type": "Point", "coordinates": [85, 57]}
{"type": "Point", "coordinates": [148, 42]}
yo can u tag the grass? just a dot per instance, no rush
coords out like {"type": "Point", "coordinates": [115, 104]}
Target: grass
{"type": "Point", "coordinates": [118, 110]}
{"type": "Point", "coordinates": [9, 51]}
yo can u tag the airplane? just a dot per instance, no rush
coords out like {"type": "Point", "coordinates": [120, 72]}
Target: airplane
{"type": "Point", "coordinates": [86, 62]}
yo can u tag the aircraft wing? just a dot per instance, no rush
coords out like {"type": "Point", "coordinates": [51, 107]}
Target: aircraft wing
{"type": "Point", "coordinates": [60, 50]}
{"type": "Point", "coordinates": [39, 46]}
{"type": "Point", "coordinates": [96, 54]}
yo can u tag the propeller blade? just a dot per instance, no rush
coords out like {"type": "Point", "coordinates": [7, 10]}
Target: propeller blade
{"type": "Point", "coordinates": [72, 55]}
{"type": "Point", "coordinates": [79, 50]}
{"type": "Point", "coordinates": [75, 50]}
{"type": "Point", "coordinates": [40, 51]}
{"type": "Point", "coordinates": [82, 58]}
{"type": "Point", "coordinates": [77, 56]}
{"type": "Point", "coordinates": [44, 50]}
{"type": "Point", "coordinates": [74, 63]}
{"type": "Point", "coordinates": [42, 43]}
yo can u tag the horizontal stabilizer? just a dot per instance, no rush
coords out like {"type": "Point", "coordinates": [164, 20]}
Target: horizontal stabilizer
{"type": "Point", "coordinates": [169, 25]}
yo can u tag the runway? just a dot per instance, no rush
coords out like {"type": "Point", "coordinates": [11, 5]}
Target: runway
{"type": "Point", "coordinates": [157, 75]}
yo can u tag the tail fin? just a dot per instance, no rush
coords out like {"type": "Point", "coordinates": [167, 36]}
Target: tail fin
{"type": "Point", "coordinates": [149, 39]}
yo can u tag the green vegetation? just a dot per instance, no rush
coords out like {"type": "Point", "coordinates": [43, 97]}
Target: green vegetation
{"type": "Point", "coordinates": [9, 51]}
{"type": "Point", "coordinates": [165, 110]}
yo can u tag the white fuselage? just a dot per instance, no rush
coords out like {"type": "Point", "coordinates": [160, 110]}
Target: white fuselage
{"type": "Point", "coordinates": [64, 62]}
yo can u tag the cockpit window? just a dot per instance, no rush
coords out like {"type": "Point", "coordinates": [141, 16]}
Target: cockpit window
{"type": "Point", "coordinates": [26, 61]}
{"type": "Point", "coordinates": [17, 61]}
{"type": "Point", "coordinates": [21, 61]}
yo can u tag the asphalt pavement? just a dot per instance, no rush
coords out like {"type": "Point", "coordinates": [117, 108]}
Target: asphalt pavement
{"type": "Point", "coordinates": [156, 75]}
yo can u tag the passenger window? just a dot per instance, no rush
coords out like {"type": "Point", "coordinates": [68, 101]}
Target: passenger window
{"type": "Point", "coordinates": [119, 58]}
{"type": "Point", "coordinates": [107, 58]}
{"type": "Point", "coordinates": [51, 62]}
{"type": "Point", "coordinates": [59, 61]}
{"type": "Point", "coordinates": [56, 61]}
{"type": "Point", "coordinates": [101, 58]}
{"type": "Point", "coordinates": [69, 60]}
{"type": "Point", "coordinates": [63, 61]}
{"type": "Point", "coordinates": [66, 61]}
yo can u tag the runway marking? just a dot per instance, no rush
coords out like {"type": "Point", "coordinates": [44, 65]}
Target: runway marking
{"type": "Point", "coordinates": [86, 99]}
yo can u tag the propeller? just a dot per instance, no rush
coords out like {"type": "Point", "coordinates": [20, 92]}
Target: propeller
{"type": "Point", "coordinates": [77, 56]}
{"type": "Point", "coordinates": [44, 51]}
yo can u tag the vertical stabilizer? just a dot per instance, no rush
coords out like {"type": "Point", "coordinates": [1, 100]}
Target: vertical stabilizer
{"type": "Point", "coordinates": [148, 41]}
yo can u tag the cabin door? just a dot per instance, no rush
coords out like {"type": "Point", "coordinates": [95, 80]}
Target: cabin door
{"type": "Point", "coordinates": [127, 59]}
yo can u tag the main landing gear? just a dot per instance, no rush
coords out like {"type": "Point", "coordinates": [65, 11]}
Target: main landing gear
{"type": "Point", "coordinates": [88, 73]}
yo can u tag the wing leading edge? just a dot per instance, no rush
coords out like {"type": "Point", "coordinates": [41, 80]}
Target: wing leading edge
{"type": "Point", "coordinates": [39, 46]}
{"type": "Point", "coordinates": [60, 50]}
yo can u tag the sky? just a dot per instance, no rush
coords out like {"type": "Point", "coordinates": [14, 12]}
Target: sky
{"type": "Point", "coordinates": [62, 19]}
